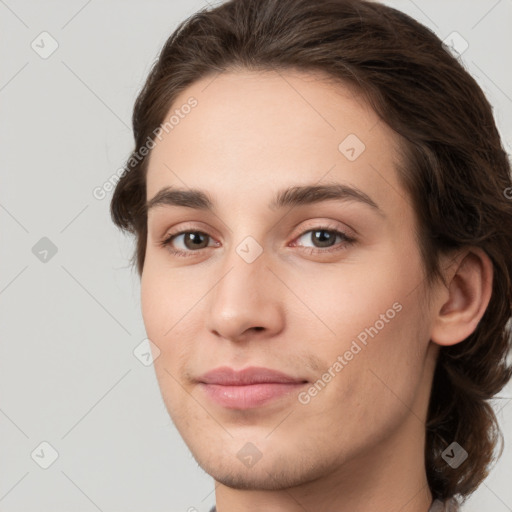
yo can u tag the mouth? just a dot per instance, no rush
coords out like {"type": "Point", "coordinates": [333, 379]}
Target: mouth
{"type": "Point", "coordinates": [249, 388]}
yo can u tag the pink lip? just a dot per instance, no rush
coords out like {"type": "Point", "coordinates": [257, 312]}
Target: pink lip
{"type": "Point", "coordinates": [248, 388]}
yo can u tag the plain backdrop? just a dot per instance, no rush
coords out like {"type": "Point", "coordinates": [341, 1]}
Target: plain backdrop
{"type": "Point", "coordinates": [69, 302]}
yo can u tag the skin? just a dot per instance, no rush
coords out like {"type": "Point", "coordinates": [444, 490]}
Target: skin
{"type": "Point", "coordinates": [358, 444]}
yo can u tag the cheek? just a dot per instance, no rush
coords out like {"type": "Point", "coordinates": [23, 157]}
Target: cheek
{"type": "Point", "coordinates": [345, 301]}
{"type": "Point", "coordinates": [166, 296]}
{"type": "Point", "coordinates": [373, 316]}
{"type": "Point", "coordinates": [170, 318]}
{"type": "Point", "coordinates": [153, 301]}
{"type": "Point", "coordinates": [160, 312]}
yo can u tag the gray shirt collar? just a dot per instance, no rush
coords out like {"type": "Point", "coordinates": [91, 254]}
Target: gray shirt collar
{"type": "Point", "coordinates": [437, 506]}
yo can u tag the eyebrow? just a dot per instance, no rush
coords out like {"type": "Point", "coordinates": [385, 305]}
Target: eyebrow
{"type": "Point", "coordinates": [289, 197]}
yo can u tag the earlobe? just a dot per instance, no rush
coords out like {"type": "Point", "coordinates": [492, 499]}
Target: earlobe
{"type": "Point", "coordinates": [461, 306]}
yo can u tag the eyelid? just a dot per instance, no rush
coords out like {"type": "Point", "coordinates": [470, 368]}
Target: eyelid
{"type": "Point", "coordinates": [348, 239]}
{"type": "Point", "coordinates": [310, 225]}
{"type": "Point", "coordinates": [326, 225]}
{"type": "Point", "coordinates": [189, 227]}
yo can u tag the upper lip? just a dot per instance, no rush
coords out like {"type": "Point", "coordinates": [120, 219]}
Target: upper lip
{"type": "Point", "coordinates": [226, 376]}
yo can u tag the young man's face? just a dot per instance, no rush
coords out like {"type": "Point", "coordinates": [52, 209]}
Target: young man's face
{"type": "Point", "coordinates": [277, 287]}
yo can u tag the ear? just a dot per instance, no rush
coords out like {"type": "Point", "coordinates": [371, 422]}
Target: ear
{"type": "Point", "coordinates": [460, 305]}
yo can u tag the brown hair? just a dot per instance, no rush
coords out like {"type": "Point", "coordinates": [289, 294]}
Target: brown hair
{"type": "Point", "coordinates": [454, 169]}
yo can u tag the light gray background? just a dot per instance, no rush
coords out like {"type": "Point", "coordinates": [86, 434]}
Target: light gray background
{"type": "Point", "coordinates": [68, 375]}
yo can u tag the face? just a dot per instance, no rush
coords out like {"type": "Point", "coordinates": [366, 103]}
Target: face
{"type": "Point", "coordinates": [323, 284]}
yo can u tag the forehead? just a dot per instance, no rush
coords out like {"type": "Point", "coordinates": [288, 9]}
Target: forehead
{"type": "Point", "coordinates": [251, 133]}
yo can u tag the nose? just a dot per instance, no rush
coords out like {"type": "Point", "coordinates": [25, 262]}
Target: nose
{"type": "Point", "coordinates": [246, 301]}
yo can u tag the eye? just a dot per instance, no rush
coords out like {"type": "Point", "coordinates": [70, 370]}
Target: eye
{"type": "Point", "coordinates": [192, 241]}
{"type": "Point", "coordinates": [324, 239]}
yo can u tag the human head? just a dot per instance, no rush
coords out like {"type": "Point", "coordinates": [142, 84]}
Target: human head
{"type": "Point", "coordinates": [452, 167]}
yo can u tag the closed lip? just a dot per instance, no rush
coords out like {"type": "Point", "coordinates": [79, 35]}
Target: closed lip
{"type": "Point", "coordinates": [226, 376]}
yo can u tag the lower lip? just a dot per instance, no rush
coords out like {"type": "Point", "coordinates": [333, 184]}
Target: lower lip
{"type": "Point", "coordinates": [249, 396]}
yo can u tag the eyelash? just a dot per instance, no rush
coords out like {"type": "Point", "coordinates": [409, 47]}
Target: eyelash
{"type": "Point", "coordinates": [347, 241]}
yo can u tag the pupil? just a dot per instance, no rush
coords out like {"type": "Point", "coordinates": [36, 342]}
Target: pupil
{"type": "Point", "coordinates": [323, 239]}
{"type": "Point", "coordinates": [195, 238]}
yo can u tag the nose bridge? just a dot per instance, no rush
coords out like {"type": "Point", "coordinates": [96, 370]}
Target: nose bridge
{"type": "Point", "coordinates": [243, 296]}
{"type": "Point", "coordinates": [245, 258]}
{"type": "Point", "coordinates": [244, 272]}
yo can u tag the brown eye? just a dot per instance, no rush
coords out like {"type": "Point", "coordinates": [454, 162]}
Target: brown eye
{"type": "Point", "coordinates": [186, 243]}
{"type": "Point", "coordinates": [323, 237]}
{"type": "Point", "coordinates": [324, 240]}
{"type": "Point", "coordinates": [195, 240]}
